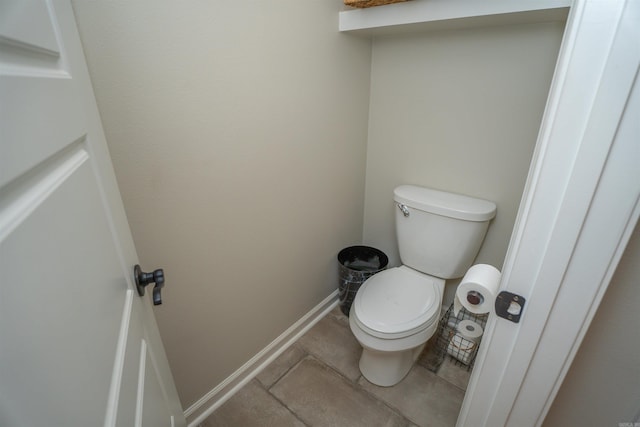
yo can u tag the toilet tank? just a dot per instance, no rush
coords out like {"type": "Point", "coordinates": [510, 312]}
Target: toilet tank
{"type": "Point", "coordinates": [440, 233]}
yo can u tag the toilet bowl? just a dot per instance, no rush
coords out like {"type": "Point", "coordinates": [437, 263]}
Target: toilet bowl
{"type": "Point", "coordinates": [396, 311]}
{"type": "Point", "coordinates": [394, 314]}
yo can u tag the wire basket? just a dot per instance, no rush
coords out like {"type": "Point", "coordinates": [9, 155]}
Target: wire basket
{"type": "Point", "coordinates": [449, 342]}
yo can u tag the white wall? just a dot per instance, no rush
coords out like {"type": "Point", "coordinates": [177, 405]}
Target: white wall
{"type": "Point", "coordinates": [457, 111]}
{"type": "Point", "coordinates": [602, 387]}
{"type": "Point", "coordinates": [238, 135]}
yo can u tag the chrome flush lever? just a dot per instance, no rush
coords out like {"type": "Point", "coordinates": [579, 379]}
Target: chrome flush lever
{"type": "Point", "coordinates": [404, 209]}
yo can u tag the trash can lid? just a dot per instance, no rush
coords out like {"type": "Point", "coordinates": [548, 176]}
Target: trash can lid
{"type": "Point", "coordinates": [363, 258]}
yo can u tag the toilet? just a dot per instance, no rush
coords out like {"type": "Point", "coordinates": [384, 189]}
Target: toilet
{"type": "Point", "coordinates": [396, 311]}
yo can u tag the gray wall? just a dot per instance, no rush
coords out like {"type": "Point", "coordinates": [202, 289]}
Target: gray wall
{"type": "Point", "coordinates": [602, 387]}
{"type": "Point", "coordinates": [238, 135]}
{"type": "Point", "coordinates": [457, 111]}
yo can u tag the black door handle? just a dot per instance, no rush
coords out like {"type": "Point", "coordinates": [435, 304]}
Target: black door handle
{"type": "Point", "coordinates": [143, 279]}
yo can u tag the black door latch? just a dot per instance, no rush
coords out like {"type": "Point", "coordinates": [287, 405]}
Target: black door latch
{"type": "Point", "coordinates": [143, 279]}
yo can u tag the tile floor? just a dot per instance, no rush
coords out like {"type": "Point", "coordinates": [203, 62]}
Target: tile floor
{"type": "Point", "coordinates": [316, 382]}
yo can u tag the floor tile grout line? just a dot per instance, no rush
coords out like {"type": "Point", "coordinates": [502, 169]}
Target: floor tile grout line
{"type": "Point", "coordinates": [377, 399]}
{"type": "Point", "coordinates": [388, 405]}
{"type": "Point", "coordinates": [277, 399]}
{"type": "Point", "coordinates": [437, 373]}
{"type": "Point", "coordinates": [356, 385]}
{"type": "Point", "coordinates": [280, 402]}
{"type": "Point", "coordinates": [284, 374]}
{"type": "Point", "coordinates": [337, 320]}
{"type": "Point", "coordinates": [284, 405]}
{"type": "Point", "coordinates": [464, 390]}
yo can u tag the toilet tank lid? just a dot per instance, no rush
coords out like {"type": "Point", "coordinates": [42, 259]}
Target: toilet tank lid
{"type": "Point", "coordinates": [444, 203]}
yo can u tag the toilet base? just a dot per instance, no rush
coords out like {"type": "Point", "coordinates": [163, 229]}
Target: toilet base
{"type": "Point", "coordinates": [387, 368]}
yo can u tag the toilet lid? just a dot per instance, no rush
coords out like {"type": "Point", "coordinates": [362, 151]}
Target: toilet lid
{"type": "Point", "coordinates": [397, 300]}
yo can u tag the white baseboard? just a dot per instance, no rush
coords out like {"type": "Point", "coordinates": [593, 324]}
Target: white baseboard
{"type": "Point", "coordinates": [208, 403]}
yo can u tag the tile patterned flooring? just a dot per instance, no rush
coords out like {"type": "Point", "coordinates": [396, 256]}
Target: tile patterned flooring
{"type": "Point", "coordinates": [317, 382]}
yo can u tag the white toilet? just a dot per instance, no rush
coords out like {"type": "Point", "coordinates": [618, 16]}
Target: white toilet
{"type": "Point", "coordinates": [396, 311]}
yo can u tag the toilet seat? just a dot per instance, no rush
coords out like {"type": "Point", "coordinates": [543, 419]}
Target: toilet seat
{"type": "Point", "coordinates": [397, 303]}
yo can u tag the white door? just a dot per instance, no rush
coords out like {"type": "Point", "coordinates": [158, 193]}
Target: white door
{"type": "Point", "coordinates": [78, 346]}
{"type": "Point", "coordinates": [578, 211]}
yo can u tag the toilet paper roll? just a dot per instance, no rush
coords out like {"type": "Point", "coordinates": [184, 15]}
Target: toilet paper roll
{"type": "Point", "coordinates": [461, 349]}
{"type": "Point", "coordinates": [470, 330]}
{"type": "Point", "coordinates": [478, 289]}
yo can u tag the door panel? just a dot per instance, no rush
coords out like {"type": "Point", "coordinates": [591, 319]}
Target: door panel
{"type": "Point", "coordinates": [57, 326]}
{"type": "Point", "coordinates": [153, 408]}
{"type": "Point", "coordinates": [73, 331]}
{"type": "Point", "coordinates": [44, 119]}
{"type": "Point", "coordinates": [45, 113]}
{"type": "Point", "coordinates": [29, 25]}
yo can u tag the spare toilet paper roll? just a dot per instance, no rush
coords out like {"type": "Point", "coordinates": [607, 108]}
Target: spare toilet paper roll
{"type": "Point", "coordinates": [461, 349]}
{"type": "Point", "coordinates": [470, 330]}
{"type": "Point", "coordinates": [478, 289]}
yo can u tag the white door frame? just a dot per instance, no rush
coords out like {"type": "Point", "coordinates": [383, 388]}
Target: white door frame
{"type": "Point", "coordinates": [578, 210]}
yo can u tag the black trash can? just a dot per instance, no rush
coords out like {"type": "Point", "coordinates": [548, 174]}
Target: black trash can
{"type": "Point", "coordinates": [357, 264]}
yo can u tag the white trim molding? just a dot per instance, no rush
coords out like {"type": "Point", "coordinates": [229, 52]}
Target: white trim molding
{"type": "Point", "coordinates": [211, 401]}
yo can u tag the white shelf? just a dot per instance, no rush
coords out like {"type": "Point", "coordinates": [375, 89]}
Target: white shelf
{"type": "Point", "coordinates": [423, 15]}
